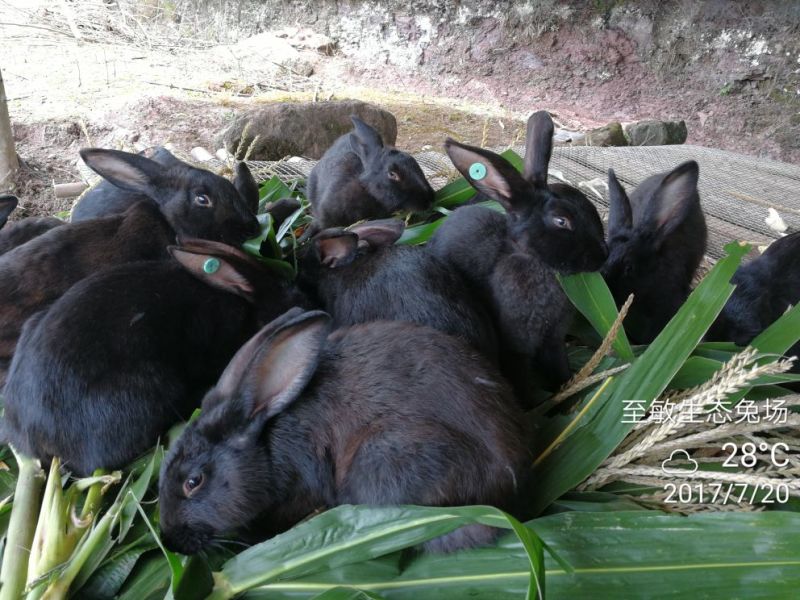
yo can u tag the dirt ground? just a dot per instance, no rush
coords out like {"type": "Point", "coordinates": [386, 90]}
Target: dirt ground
{"type": "Point", "coordinates": [111, 88]}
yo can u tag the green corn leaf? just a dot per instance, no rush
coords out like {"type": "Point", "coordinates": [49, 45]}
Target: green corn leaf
{"type": "Point", "coordinates": [781, 335]}
{"type": "Point", "coordinates": [150, 579]}
{"type": "Point", "coordinates": [347, 593]}
{"type": "Point", "coordinates": [173, 560]}
{"type": "Point", "coordinates": [265, 244]}
{"type": "Point", "coordinates": [598, 426]}
{"type": "Point", "coordinates": [514, 158]}
{"type": "Point", "coordinates": [591, 296]}
{"type": "Point", "coordinates": [272, 190]}
{"type": "Point", "coordinates": [268, 240]}
{"type": "Point", "coordinates": [129, 496]}
{"type": "Point", "coordinates": [419, 234]}
{"type": "Point", "coordinates": [289, 223]}
{"type": "Point", "coordinates": [108, 579]}
{"type": "Point", "coordinates": [627, 554]}
{"type": "Point", "coordinates": [351, 534]}
{"type": "Point", "coordinates": [454, 193]}
{"type": "Point", "coordinates": [594, 502]}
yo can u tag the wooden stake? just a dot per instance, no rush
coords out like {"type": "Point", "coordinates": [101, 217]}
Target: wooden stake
{"type": "Point", "coordinates": [8, 156]}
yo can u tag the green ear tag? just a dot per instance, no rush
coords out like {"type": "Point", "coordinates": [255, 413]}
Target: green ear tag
{"type": "Point", "coordinates": [211, 265]}
{"type": "Point", "coordinates": [477, 171]}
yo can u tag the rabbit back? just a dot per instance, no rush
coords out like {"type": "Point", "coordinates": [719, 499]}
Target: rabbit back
{"type": "Point", "coordinates": [406, 283]}
{"type": "Point", "coordinates": [118, 359]}
{"type": "Point", "coordinates": [18, 233]}
{"type": "Point", "coordinates": [404, 426]}
{"type": "Point", "coordinates": [471, 239]}
{"type": "Point", "coordinates": [35, 274]}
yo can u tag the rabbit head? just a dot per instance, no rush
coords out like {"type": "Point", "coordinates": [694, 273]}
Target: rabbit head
{"type": "Point", "coordinates": [765, 288]}
{"type": "Point", "coordinates": [393, 177]}
{"type": "Point", "coordinates": [656, 240]}
{"type": "Point", "coordinates": [555, 222]}
{"type": "Point", "coordinates": [195, 202]}
{"type": "Point", "coordinates": [217, 477]}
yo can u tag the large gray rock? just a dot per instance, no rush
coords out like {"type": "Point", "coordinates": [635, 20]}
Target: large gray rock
{"type": "Point", "coordinates": [608, 135]}
{"type": "Point", "coordinates": [303, 128]}
{"type": "Point", "coordinates": [656, 133]}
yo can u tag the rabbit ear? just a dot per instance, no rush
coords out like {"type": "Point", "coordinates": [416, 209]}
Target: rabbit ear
{"type": "Point", "coordinates": [538, 148]}
{"type": "Point", "coordinates": [7, 205]}
{"type": "Point", "coordinates": [489, 173]}
{"type": "Point", "coordinates": [272, 369]}
{"type": "Point", "coordinates": [619, 213]}
{"type": "Point", "coordinates": [246, 185]}
{"type": "Point", "coordinates": [214, 270]}
{"type": "Point", "coordinates": [336, 247]}
{"type": "Point", "coordinates": [673, 199]}
{"type": "Point", "coordinates": [368, 140]}
{"type": "Point", "coordinates": [380, 233]}
{"type": "Point", "coordinates": [129, 171]}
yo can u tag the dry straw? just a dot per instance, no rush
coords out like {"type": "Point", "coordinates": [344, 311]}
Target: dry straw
{"type": "Point", "coordinates": [689, 426]}
{"type": "Point", "coordinates": [584, 378]}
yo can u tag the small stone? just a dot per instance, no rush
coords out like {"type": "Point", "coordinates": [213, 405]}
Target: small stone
{"type": "Point", "coordinates": [608, 135]}
{"type": "Point", "coordinates": [656, 133]}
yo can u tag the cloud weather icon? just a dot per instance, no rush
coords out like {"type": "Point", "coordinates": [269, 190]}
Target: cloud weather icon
{"type": "Point", "coordinates": [679, 456]}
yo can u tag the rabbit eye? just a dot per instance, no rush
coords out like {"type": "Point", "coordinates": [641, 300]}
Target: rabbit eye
{"type": "Point", "coordinates": [192, 484]}
{"type": "Point", "coordinates": [394, 176]}
{"type": "Point", "coordinates": [562, 222]}
{"type": "Point", "coordinates": [202, 200]}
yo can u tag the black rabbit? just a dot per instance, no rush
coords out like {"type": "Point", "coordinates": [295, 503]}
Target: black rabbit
{"type": "Point", "coordinates": [37, 273]}
{"type": "Point", "coordinates": [513, 259]}
{"type": "Point", "coordinates": [378, 413]}
{"type": "Point", "coordinates": [127, 352]}
{"type": "Point", "coordinates": [360, 178]}
{"type": "Point", "coordinates": [111, 197]}
{"type": "Point", "coordinates": [656, 241]}
{"type": "Point", "coordinates": [765, 288]}
{"type": "Point", "coordinates": [16, 234]}
{"type": "Point", "coordinates": [359, 275]}
{"type": "Point", "coordinates": [198, 203]}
